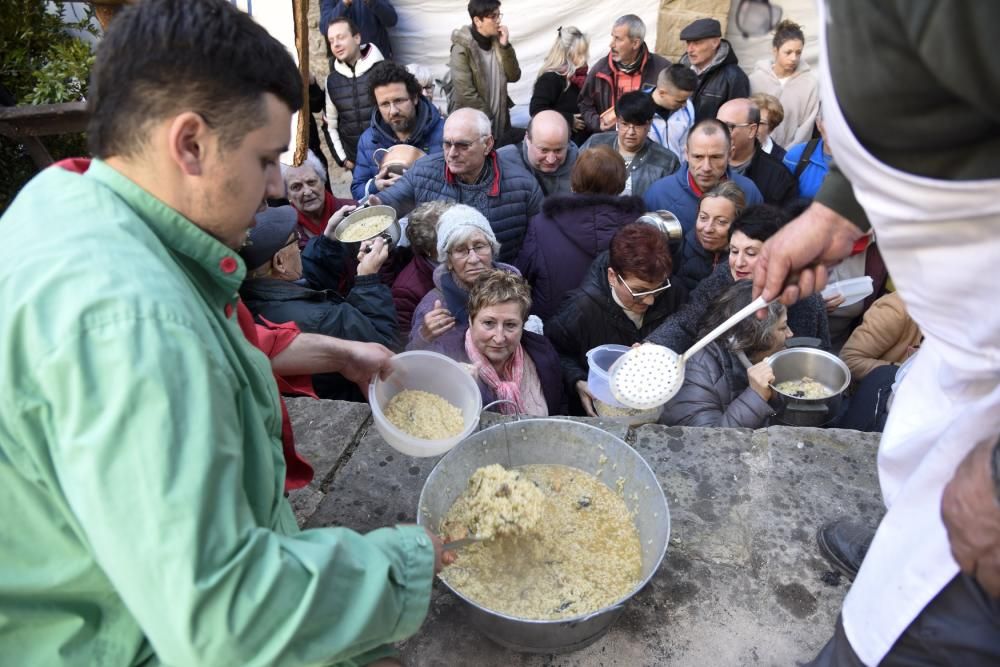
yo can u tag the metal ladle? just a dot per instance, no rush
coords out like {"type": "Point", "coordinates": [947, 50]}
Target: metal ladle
{"type": "Point", "coordinates": [648, 376]}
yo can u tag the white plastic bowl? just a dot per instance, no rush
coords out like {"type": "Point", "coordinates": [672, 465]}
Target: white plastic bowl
{"type": "Point", "coordinates": [852, 289]}
{"type": "Point", "coordinates": [599, 360]}
{"type": "Point", "coordinates": [434, 373]}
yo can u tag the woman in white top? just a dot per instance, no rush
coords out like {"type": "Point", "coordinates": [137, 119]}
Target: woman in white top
{"type": "Point", "coordinates": [789, 78]}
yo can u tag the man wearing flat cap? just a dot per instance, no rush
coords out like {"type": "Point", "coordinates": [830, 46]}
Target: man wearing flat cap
{"type": "Point", "coordinates": [279, 290]}
{"type": "Point", "coordinates": [712, 58]}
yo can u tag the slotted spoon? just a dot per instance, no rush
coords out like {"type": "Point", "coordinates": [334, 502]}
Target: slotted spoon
{"type": "Point", "coordinates": [648, 376]}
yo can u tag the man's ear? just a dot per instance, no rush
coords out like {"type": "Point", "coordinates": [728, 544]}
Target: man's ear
{"type": "Point", "coordinates": [277, 265]}
{"type": "Point", "coordinates": [488, 142]}
{"type": "Point", "coordinates": [188, 142]}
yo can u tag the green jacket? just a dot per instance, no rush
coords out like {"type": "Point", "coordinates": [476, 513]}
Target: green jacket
{"type": "Point", "coordinates": [141, 472]}
{"type": "Point", "coordinates": [469, 76]}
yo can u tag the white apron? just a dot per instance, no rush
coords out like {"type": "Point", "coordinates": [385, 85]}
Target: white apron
{"type": "Point", "coordinates": [941, 243]}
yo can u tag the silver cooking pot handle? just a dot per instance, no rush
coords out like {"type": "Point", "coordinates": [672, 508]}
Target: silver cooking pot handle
{"type": "Point", "coordinates": [517, 414]}
{"type": "Point", "coordinates": [616, 609]}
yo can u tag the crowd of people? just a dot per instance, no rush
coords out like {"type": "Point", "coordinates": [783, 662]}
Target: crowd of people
{"type": "Point", "coordinates": [196, 280]}
{"type": "Point", "coordinates": [731, 157]}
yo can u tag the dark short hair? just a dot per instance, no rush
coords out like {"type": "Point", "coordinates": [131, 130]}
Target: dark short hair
{"type": "Point", "coordinates": [351, 25]}
{"type": "Point", "coordinates": [599, 170]}
{"type": "Point", "coordinates": [387, 72]}
{"type": "Point", "coordinates": [163, 57]}
{"type": "Point", "coordinates": [482, 8]}
{"type": "Point", "coordinates": [711, 126]}
{"type": "Point", "coordinates": [635, 107]}
{"type": "Point", "coordinates": [759, 222]}
{"type": "Point", "coordinates": [639, 249]}
{"type": "Point", "coordinates": [678, 76]}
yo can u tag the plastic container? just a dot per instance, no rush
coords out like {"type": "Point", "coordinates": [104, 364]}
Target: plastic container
{"type": "Point", "coordinates": [599, 359]}
{"type": "Point", "coordinates": [852, 289]}
{"type": "Point", "coordinates": [430, 372]}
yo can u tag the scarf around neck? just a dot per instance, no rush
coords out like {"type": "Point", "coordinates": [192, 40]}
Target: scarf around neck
{"type": "Point", "coordinates": [507, 388]}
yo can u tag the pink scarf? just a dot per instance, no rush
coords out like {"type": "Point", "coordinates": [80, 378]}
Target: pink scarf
{"type": "Point", "coordinates": [506, 389]}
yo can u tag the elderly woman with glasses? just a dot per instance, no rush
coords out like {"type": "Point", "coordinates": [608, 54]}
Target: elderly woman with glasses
{"type": "Point", "coordinates": [509, 363]}
{"type": "Point", "coordinates": [728, 382]}
{"type": "Point", "coordinates": [466, 248]}
{"type": "Point", "coordinates": [626, 294]}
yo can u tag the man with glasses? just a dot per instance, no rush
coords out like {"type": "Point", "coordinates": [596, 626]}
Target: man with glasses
{"type": "Point", "coordinates": [482, 63]}
{"type": "Point", "coordinates": [707, 165]}
{"type": "Point", "coordinates": [402, 115]}
{"type": "Point", "coordinates": [775, 182]}
{"type": "Point", "coordinates": [645, 160]}
{"type": "Point", "coordinates": [625, 296]}
{"type": "Point", "coordinates": [471, 172]}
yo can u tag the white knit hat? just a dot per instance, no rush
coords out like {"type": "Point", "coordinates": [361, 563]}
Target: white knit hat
{"type": "Point", "coordinates": [456, 218]}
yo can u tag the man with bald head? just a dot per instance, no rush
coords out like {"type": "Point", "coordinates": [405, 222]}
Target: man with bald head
{"type": "Point", "coordinates": [546, 151]}
{"type": "Point", "coordinates": [469, 171]}
{"type": "Point", "coordinates": [775, 182]}
{"type": "Point", "coordinates": [707, 165]}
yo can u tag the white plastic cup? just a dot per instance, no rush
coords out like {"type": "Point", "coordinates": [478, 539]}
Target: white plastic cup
{"type": "Point", "coordinates": [599, 360]}
{"type": "Point", "coordinates": [433, 373]}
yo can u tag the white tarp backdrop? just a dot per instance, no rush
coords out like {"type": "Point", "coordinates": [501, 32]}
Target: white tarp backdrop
{"type": "Point", "coordinates": [423, 34]}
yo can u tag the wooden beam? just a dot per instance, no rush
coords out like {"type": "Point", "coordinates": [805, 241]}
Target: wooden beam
{"type": "Point", "coordinates": [39, 120]}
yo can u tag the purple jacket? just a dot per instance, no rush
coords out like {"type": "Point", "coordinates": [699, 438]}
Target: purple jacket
{"type": "Point", "coordinates": [411, 285]}
{"type": "Point", "coordinates": [454, 298]}
{"type": "Point", "coordinates": [563, 240]}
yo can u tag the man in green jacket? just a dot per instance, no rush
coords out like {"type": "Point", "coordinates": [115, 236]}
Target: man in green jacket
{"type": "Point", "coordinates": [141, 471]}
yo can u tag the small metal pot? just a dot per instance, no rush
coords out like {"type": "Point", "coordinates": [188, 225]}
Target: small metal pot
{"type": "Point", "coordinates": [797, 363]}
{"type": "Point", "coordinates": [398, 158]}
{"type": "Point", "coordinates": [666, 222]}
{"type": "Point", "coordinates": [390, 233]}
{"type": "Point", "coordinates": [558, 441]}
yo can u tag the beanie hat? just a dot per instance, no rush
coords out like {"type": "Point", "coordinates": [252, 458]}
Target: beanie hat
{"type": "Point", "coordinates": [268, 236]}
{"type": "Point", "coordinates": [454, 220]}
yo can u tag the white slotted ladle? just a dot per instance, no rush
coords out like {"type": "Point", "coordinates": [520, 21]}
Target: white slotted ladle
{"type": "Point", "coordinates": [648, 376]}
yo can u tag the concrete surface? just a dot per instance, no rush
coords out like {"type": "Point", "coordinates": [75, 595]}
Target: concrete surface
{"type": "Point", "coordinates": [742, 582]}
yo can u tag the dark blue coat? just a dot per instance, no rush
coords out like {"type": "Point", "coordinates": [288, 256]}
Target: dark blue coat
{"type": "Point", "coordinates": [674, 194]}
{"type": "Point", "coordinates": [428, 133]}
{"type": "Point", "coordinates": [508, 200]}
{"type": "Point", "coordinates": [692, 263]}
{"type": "Point", "coordinates": [564, 239]}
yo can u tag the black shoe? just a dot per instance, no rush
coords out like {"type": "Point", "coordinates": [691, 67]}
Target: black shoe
{"type": "Point", "coordinates": [844, 544]}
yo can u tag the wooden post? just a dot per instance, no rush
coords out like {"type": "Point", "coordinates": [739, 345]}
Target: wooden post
{"type": "Point", "coordinates": [300, 14]}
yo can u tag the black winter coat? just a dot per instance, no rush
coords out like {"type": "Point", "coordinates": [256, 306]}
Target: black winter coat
{"type": "Point", "coordinates": [563, 240]}
{"type": "Point", "coordinates": [347, 89]}
{"type": "Point", "coordinates": [722, 80]}
{"type": "Point", "coordinates": [772, 178]}
{"type": "Point", "coordinates": [367, 314]}
{"type": "Point", "coordinates": [590, 317]}
{"type": "Point", "coordinates": [551, 92]}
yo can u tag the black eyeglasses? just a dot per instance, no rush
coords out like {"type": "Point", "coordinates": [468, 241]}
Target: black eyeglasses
{"type": "Point", "coordinates": [295, 239]}
{"type": "Point", "coordinates": [733, 126]}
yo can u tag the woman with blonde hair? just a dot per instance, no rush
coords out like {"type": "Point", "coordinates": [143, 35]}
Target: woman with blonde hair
{"type": "Point", "coordinates": [788, 77]}
{"type": "Point", "coordinates": [561, 77]}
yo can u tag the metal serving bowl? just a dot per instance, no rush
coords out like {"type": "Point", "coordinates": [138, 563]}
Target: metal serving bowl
{"type": "Point", "coordinates": [799, 362]}
{"type": "Point", "coordinates": [666, 222]}
{"type": "Point", "coordinates": [564, 442]}
{"type": "Point", "coordinates": [390, 232]}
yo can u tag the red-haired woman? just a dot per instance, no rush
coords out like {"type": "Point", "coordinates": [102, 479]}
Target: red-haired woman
{"type": "Point", "coordinates": [626, 294]}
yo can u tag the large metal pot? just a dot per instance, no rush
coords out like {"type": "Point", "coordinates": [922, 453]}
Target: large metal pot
{"type": "Point", "coordinates": [552, 441]}
{"type": "Point", "coordinates": [799, 362]}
